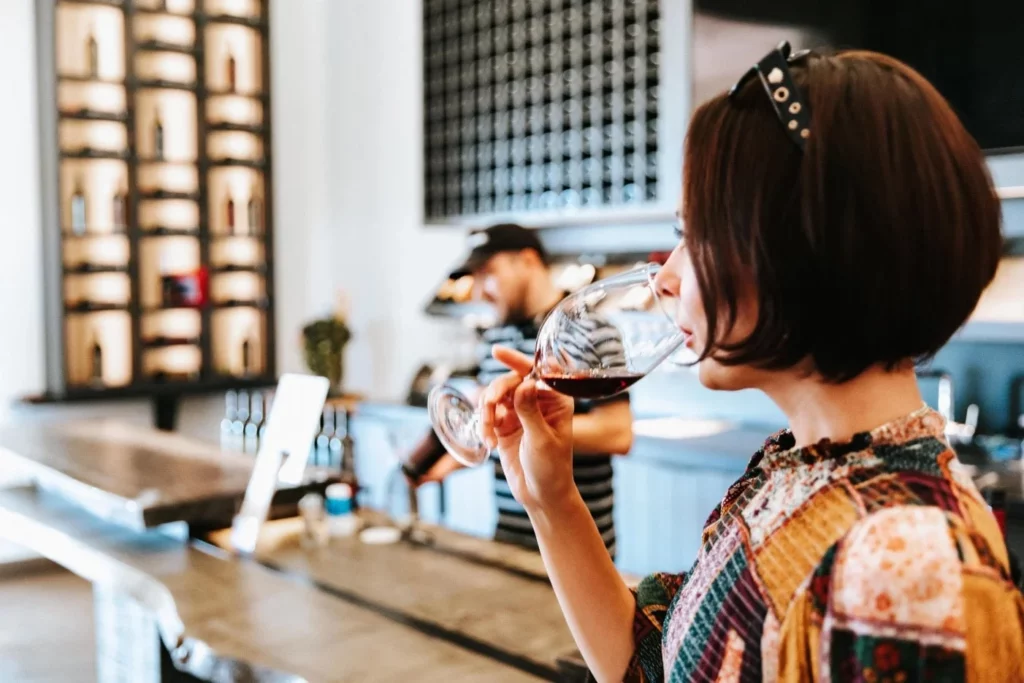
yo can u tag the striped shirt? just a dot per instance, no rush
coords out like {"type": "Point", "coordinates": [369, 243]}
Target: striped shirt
{"type": "Point", "coordinates": [591, 343]}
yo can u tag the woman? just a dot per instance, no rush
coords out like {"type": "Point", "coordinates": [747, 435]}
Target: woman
{"type": "Point", "coordinates": [840, 224]}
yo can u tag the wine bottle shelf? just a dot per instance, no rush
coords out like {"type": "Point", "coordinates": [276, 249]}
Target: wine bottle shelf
{"type": "Point", "coordinates": [212, 383]}
{"type": "Point", "coordinates": [118, 155]}
{"type": "Point", "coordinates": [91, 233]}
{"type": "Point", "coordinates": [167, 342]}
{"type": "Point", "coordinates": [149, 233]}
{"type": "Point", "coordinates": [254, 95]}
{"type": "Point", "coordinates": [155, 195]}
{"type": "Point", "coordinates": [85, 78]}
{"type": "Point", "coordinates": [94, 269]}
{"type": "Point", "coordinates": [240, 163]}
{"type": "Point", "coordinates": [227, 126]}
{"type": "Point", "coordinates": [99, 3]}
{"type": "Point", "coordinates": [150, 12]}
{"type": "Point", "coordinates": [259, 269]}
{"type": "Point", "coordinates": [87, 307]}
{"type": "Point", "coordinates": [151, 161]}
{"type": "Point", "coordinates": [162, 46]}
{"type": "Point", "coordinates": [162, 84]}
{"type": "Point", "coordinates": [92, 115]}
{"type": "Point", "coordinates": [251, 22]}
{"type": "Point", "coordinates": [154, 310]}
{"type": "Point", "coordinates": [256, 304]}
{"type": "Point", "coordinates": [260, 304]}
{"type": "Point", "coordinates": [184, 170]}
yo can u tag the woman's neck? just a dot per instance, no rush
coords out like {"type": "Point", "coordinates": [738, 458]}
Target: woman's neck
{"type": "Point", "coordinates": [817, 410]}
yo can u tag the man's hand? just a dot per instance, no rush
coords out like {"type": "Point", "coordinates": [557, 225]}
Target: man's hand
{"type": "Point", "coordinates": [441, 469]}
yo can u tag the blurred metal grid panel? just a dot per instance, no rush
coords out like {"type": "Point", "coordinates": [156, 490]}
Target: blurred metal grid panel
{"type": "Point", "coordinates": [548, 107]}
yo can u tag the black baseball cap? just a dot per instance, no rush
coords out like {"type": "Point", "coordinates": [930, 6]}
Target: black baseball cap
{"type": "Point", "coordinates": [498, 239]}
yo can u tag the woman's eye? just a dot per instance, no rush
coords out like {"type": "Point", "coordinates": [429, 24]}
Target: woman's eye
{"type": "Point", "coordinates": [678, 230]}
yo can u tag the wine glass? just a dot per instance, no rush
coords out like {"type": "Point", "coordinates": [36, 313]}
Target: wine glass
{"type": "Point", "coordinates": [597, 342]}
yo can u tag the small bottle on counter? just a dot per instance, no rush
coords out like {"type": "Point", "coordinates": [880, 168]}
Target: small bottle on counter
{"type": "Point", "coordinates": [335, 445]}
{"type": "Point", "coordinates": [230, 412]}
{"type": "Point", "coordinates": [241, 420]}
{"type": "Point", "coordinates": [252, 429]}
{"type": "Point", "coordinates": [314, 521]}
{"type": "Point", "coordinates": [341, 520]}
{"type": "Point", "coordinates": [322, 444]}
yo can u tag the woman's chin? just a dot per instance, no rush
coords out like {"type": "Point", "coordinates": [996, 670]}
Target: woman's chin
{"type": "Point", "coordinates": [718, 377]}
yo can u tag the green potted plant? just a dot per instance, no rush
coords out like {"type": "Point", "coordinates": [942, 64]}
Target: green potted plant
{"type": "Point", "coordinates": [323, 345]}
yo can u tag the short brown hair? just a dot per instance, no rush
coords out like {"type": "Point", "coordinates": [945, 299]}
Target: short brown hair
{"type": "Point", "coordinates": [870, 247]}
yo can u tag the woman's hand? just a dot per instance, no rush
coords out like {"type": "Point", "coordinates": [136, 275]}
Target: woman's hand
{"type": "Point", "coordinates": [531, 426]}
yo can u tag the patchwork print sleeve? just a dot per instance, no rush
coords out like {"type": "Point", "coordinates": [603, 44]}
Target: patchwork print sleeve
{"type": "Point", "coordinates": [653, 596]}
{"type": "Point", "coordinates": [909, 594]}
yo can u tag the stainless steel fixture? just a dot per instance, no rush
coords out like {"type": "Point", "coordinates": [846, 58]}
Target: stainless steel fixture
{"type": "Point", "coordinates": [956, 432]}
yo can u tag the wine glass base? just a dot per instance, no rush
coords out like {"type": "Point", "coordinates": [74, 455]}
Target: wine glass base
{"type": "Point", "coordinates": [455, 423]}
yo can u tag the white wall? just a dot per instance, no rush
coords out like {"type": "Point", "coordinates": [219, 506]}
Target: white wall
{"type": "Point", "coordinates": [21, 302]}
{"type": "Point", "coordinates": [383, 257]}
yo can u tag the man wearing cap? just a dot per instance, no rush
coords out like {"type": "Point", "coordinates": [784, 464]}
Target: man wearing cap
{"type": "Point", "coordinates": [510, 270]}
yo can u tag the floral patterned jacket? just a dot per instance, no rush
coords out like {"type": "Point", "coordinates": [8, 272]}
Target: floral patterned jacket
{"type": "Point", "coordinates": [873, 560]}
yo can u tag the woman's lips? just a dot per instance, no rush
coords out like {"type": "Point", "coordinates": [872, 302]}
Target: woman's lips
{"type": "Point", "coordinates": [687, 338]}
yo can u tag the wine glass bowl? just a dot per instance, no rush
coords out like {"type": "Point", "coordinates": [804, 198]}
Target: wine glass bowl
{"type": "Point", "coordinates": [597, 342]}
{"type": "Point", "coordinates": [455, 422]}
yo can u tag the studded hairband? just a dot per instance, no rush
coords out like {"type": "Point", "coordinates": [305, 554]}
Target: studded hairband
{"type": "Point", "coordinates": [773, 71]}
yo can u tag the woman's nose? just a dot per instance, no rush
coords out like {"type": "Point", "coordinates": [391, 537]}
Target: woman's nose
{"type": "Point", "coordinates": [666, 281]}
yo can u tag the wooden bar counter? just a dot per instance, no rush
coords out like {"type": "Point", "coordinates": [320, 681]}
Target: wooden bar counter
{"type": "Point", "coordinates": [171, 607]}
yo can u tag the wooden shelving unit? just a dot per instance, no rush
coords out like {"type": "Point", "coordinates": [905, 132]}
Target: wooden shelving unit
{"type": "Point", "coordinates": [157, 186]}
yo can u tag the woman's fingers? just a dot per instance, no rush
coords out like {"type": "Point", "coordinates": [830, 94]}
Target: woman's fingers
{"type": "Point", "coordinates": [515, 361]}
{"type": "Point", "coordinates": [526, 405]}
{"type": "Point", "coordinates": [497, 393]}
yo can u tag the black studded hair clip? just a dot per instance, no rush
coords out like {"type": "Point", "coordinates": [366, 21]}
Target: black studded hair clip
{"type": "Point", "coordinates": [773, 70]}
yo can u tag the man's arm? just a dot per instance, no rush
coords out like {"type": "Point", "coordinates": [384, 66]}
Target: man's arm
{"type": "Point", "coordinates": [605, 428]}
{"type": "Point", "coordinates": [428, 450]}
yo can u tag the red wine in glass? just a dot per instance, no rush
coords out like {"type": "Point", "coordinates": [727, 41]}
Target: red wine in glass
{"type": "Point", "coordinates": [590, 385]}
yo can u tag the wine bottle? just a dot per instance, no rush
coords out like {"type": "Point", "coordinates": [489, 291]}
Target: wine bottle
{"type": "Point", "coordinates": [120, 209]}
{"type": "Point", "coordinates": [92, 49]}
{"type": "Point", "coordinates": [232, 73]}
{"type": "Point", "coordinates": [241, 420]}
{"type": "Point", "coordinates": [252, 428]}
{"type": "Point", "coordinates": [267, 403]}
{"type": "Point", "coordinates": [335, 444]}
{"type": "Point", "coordinates": [78, 219]}
{"type": "Point", "coordinates": [254, 210]}
{"type": "Point", "coordinates": [230, 411]}
{"type": "Point", "coordinates": [158, 138]}
{"type": "Point", "coordinates": [246, 357]}
{"type": "Point", "coordinates": [231, 215]}
{"type": "Point", "coordinates": [323, 439]}
{"type": "Point", "coordinates": [97, 362]}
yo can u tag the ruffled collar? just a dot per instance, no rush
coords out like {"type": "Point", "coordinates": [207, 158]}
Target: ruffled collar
{"type": "Point", "coordinates": [780, 450]}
